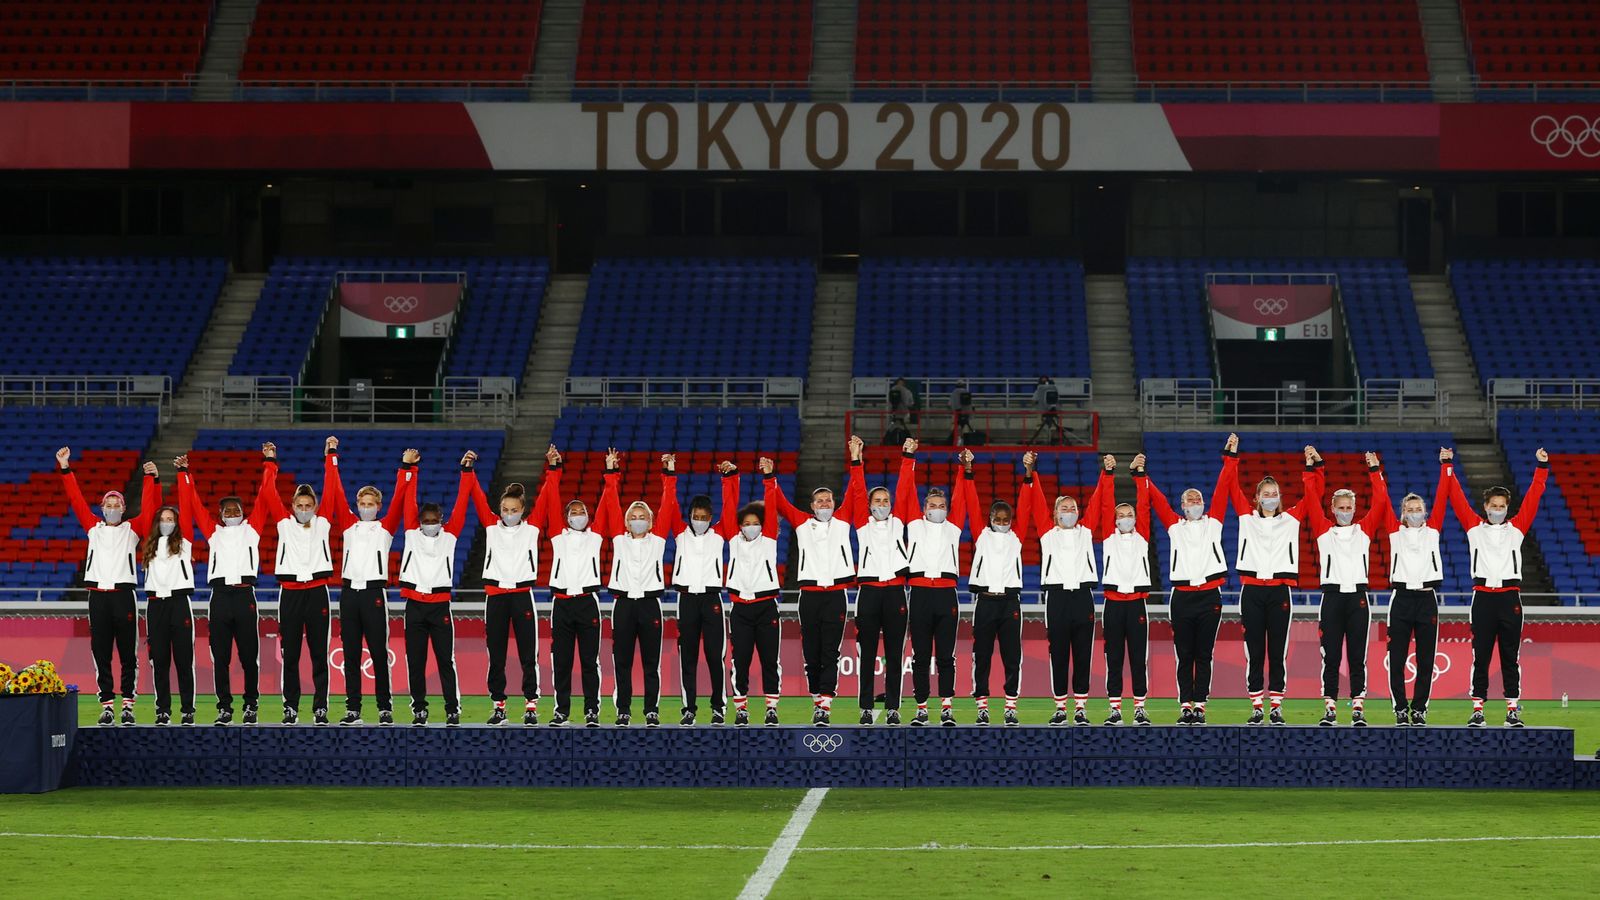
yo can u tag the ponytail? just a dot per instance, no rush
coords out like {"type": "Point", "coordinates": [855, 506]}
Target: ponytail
{"type": "Point", "coordinates": [304, 490]}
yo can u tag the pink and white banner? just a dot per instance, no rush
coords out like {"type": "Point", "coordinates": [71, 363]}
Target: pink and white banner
{"type": "Point", "coordinates": [1556, 658]}
{"type": "Point", "coordinates": [1303, 311]}
{"type": "Point", "coordinates": [369, 309]}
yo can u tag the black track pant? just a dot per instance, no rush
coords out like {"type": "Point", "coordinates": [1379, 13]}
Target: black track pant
{"type": "Point", "coordinates": [430, 624]}
{"type": "Point", "coordinates": [504, 615]}
{"type": "Point", "coordinates": [997, 618]}
{"type": "Point", "coordinates": [1196, 615]}
{"type": "Point", "coordinates": [1264, 611]}
{"type": "Point", "coordinates": [933, 618]}
{"type": "Point", "coordinates": [701, 627]}
{"type": "Point", "coordinates": [880, 615]}
{"type": "Point", "coordinates": [1412, 614]}
{"type": "Point", "coordinates": [1127, 634]}
{"type": "Point", "coordinates": [1496, 621]}
{"type": "Point", "coordinates": [232, 621]}
{"type": "Point", "coordinates": [753, 628]}
{"type": "Point", "coordinates": [114, 624]}
{"type": "Point", "coordinates": [575, 636]}
{"type": "Point", "coordinates": [1069, 630]}
{"type": "Point", "coordinates": [169, 627]}
{"type": "Point", "coordinates": [1342, 624]}
{"type": "Point", "coordinates": [636, 625]}
{"type": "Point", "coordinates": [822, 617]}
{"type": "Point", "coordinates": [364, 616]}
{"type": "Point", "coordinates": [303, 615]}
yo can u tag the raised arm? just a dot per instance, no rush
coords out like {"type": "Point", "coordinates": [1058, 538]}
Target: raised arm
{"type": "Point", "coordinates": [856, 509]}
{"type": "Point", "coordinates": [771, 493]}
{"type": "Point", "coordinates": [69, 484]}
{"type": "Point", "coordinates": [669, 518]}
{"type": "Point", "coordinates": [188, 496]}
{"type": "Point", "coordinates": [1101, 517]}
{"type": "Point", "coordinates": [1523, 520]}
{"type": "Point", "coordinates": [487, 515]}
{"type": "Point", "coordinates": [548, 513]}
{"type": "Point", "coordinates": [405, 483]}
{"type": "Point", "coordinates": [775, 496]}
{"type": "Point", "coordinates": [1441, 497]}
{"type": "Point", "coordinates": [1313, 480]}
{"type": "Point", "coordinates": [465, 488]}
{"type": "Point", "coordinates": [1226, 479]}
{"type": "Point", "coordinates": [1036, 512]}
{"type": "Point", "coordinates": [1241, 501]}
{"type": "Point", "coordinates": [149, 501]}
{"type": "Point", "coordinates": [409, 503]}
{"type": "Point", "coordinates": [1141, 500]}
{"type": "Point", "coordinates": [906, 505]}
{"type": "Point", "coordinates": [335, 506]}
{"type": "Point", "coordinates": [268, 506]}
{"type": "Point", "coordinates": [728, 521]}
{"type": "Point", "coordinates": [964, 509]}
{"type": "Point", "coordinates": [1458, 498]}
{"type": "Point", "coordinates": [608, 518]}
{"type": "Point", "coordinates": [1159, 505]}
{"type": "Point", "coordinates": [1381, 511]}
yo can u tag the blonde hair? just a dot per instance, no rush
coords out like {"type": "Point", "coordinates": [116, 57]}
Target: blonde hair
{"type": "Point", "coordinates": [1344, 492]}
{"type": "Point", "coordinates": [369, 491]}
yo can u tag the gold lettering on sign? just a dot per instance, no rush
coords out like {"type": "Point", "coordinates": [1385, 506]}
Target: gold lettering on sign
{"type": "Point", "coordinates": [992, 161]}
{"type": "Point", "coordinates": [641, 127]}
{"type": "Point", "coordinates": [602, 130]}
{"type": "Point", "coordinates": [775, 131]}
{"type": "Point", "coordinates": [841, 149]}
{"type": "Point", "coordinates": [710, 133]}
{"type": "Point", "coordinates": [887, 160]}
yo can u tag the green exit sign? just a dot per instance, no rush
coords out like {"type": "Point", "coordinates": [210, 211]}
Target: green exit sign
{"type": "Point", "coordinates": [402, 331]}
{"type": "Point", "coordinates": [1269, 334]}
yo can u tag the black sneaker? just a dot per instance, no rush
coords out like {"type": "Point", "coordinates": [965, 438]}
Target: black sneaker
{"type": "Point", "coordinates": [1187, 717]}
{"type": "Point", "coordinates": [1011, 717]}
{"type": "Point", "coordinates": [772, 717]}
{"type": "Point", "coordinates": [741, 717]}
{"type": "Point", "coordinates": [530, 717]}
{"type": "Point", "coordinates": [1258, 716]}
{"type": "Point", "coordinates": [947, 717]}
{"type": "Point", "coordinates": [452, 720]}
{"type": "Point", "coordinates": [1419, 718]}
{"type": "Point", "coordinates": [819, 717]}
{"type": "Point", "coordinates": [319, 717]}
{"type": "Point", "coordinates": [419, 717]}
{"type": "Point", "coordinates": [163, 718]}
{"type": "Point", "coordinates": [291, 716]}
{"type": "Point", "coordinates": [385, 717]}
{"type": "Point", "coordinates": [983, 717]}
{"type": "Point", "coordinates": [623, 720]}
{"type": "Point", "coordinates": [1477, 720]}
{"type": "Point", "coordinates": [1402, 718]}
{"type": "Point", "coordinates": [1199, 716]}
{"type": "Point", "coordinates": [719, 717]}
{"type": "Point", "coordinates": [1276, 717]}
{"type": "Point", "coordinates": [224, 717]}
{"type": "Point", "coordinates": [558, 720]}
{"type": "Point", "coordinates": [1358, 717]}
{"type": "Point", "coordinates": [1513, 717]}
{"type": "Point", "coordinates": [250, 714]}
{"type": "Point", "coordinates": [108, 715]}
{"type": "Point", "coordinates": [498, 717]}
{"type": "Point", "coordinates": [688, 719]}
{"type": "Point", "coordinates": [1330, 718]}
{"type": "Point", "coordinates": [188, 719]}
{"type": "Point", "coordinates": [921, 718]}
{"type": "Point", "coordinates": [1060, 717]}
{"type": "Point", "coordinates": [892, 718]}
{"type": "Point", "coordinates": [1140, 717]}
{"type": "Point", "coordinates": [1080, 716]}
{"type": "Point", "coordinates": [591, 719]}
{"type": "Point", "coordinates": [866, 717]}
{"type": "Point", "coordinates": [652, 720]}
{"type": "Point", "coordinates": [1114, 718]}
{"type": "Point", "coordinates": [351, 717]}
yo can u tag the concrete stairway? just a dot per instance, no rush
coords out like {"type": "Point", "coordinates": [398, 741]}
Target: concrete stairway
{"type": "Point", "coordinates": [1116, 391]}
{"type": "Point", "coordinates": [1445, 38]}
{"type": "Point", "coordinates": [555, 55]}
{"type": "Point", "coordinates": [1111, 50]}
{"type": "Point", "coordinates": [224, 53]}
{"type": "Point", "coordinates": [833, 49]}
{"type": "Point", "coordinates": [539, 392]}
{"type": "Point", "coordinates": [822, 440]}
{"type": "Point", "coordinates": [1451, 356]}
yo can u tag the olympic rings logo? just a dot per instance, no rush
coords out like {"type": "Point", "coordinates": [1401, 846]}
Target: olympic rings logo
{"type": "Point", "coordinates": [1563, 137]}
{"type": "Point", "coordinates": [401, 304]}
{"type": "Point", "coordinates": [1272, 306]}
{"type": "Point", "coordinates": [1441, 665]}
{"type": "Point", "coordinates": [336, 660]}
{"type": "Point", "coordinates": [822, 743]}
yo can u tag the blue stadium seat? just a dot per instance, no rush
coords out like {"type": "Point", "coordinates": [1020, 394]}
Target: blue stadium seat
{"type": "Point", "coordinates": [1530, 318]}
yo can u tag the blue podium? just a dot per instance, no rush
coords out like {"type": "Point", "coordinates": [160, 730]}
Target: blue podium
{"type": "Point", "coordinates": [36, 738]}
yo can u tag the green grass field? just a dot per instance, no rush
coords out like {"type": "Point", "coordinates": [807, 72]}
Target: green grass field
{"type": "Point", "coordinates": [1583, 717]}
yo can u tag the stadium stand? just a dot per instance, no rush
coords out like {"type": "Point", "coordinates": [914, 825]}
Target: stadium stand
{"type": "Point", "coordinates": [1532, 41]}
{"type": "Point", "coordinates": [960, 45]}
{"type": "Point", "coordinates": [1166, 303]}
{"type": "Point", "coordinates": [1248, 42]}
{"type": "Point", "coordinates": [41, 542]}
{"type": "Point", "coordinates": [141, 315]}
{"type": "Point", "coordinates": [717, 43]}
{"type": "Point", "coordinates": [102, 40]}
{"type": "Point", "coordinates": [381, 40]}
{"type": "Point", "coordinates": [1568, 526]}
{"type": "Point", "coordinates": [697, 318]}
{"type": "Point", "coordinates": [494, 336]}
{"type": "Point", "coordinates": [229, 462]}
{"type": "Point", "coordinates": [989, 318]}
{"type": "Point", "coordinates": [1548, 332]}
{"type": "Point", "coordinates": [1181, 460]}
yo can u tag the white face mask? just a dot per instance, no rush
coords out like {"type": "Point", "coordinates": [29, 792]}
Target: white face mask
{"type": "Point", "coordinates": [638, 526]}
{"type": "Point", "coordinates": [112, 516]}
{"type": "Point", "coordinates": [750, 532]}
{"type": "Point", "coordinates": [1495, 516]}
{"type": "Point", "coordinates": [881, 513]}
{"type": "Point", "coordinates": [233, 521]}
{"type": "Point", "coordinates": [304, 516]}
{"type": "Point", "coordinates": [1125, 524]}
{"type": "Point", "coordinates": [511, 520]}
{"type": "Point", "coordinates": [936, 515]}
{"type": "Point", "coordinates": [1194, 513]}
{"type": "Point", "coordinates": [1002, 529]}
{"type": "Point", "coordinates": [1342, 517]}
{"type": "Point", "coordinates": [431, 529]}
{"type": "Point", "coordinates": [823, 515]}
{"type": "Point", "coordinates": [1066, 519]}
{"type": "Point", "coordinates": [1415, 519]}
{"type": "Point", "coordinates": [577, 523]}
{"type": "Point", "coordinates": [167, 528]}
{"type": "Point", "coordinates": [1270, 504]}
{"type": "Point", "coordinates": [367, 513]}
{"type": "Point", "coordinates": [699, 526]}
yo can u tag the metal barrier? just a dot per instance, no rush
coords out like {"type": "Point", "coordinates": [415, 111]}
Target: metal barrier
{"type": "Point", "coordinates": [89, 390]}
{"type": "Point", "coordinates": [277, 399]}
{"type": "Point", "coordinates": [1399, 404]}
{"type": "Point", "coordinates": [986, 429]}
{"type": "Point", "coordinates": [643, 391]}
{"type": "Point", "coordinates": [938, 394]}
{"type": "Point", "coordinates": [1541, 393]}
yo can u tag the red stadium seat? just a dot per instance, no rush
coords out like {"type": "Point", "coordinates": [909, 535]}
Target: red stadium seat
{"type": "Point", "coordinates": [81, 40]}
{"type": "Point", "coordinates": [971, 41]}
